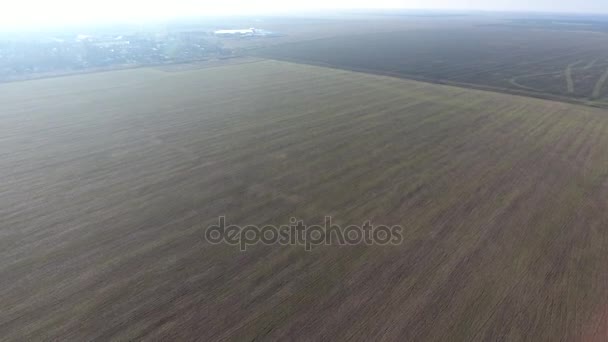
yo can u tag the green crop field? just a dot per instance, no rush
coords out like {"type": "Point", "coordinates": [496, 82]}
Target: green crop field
{"type": "Point", "coordinates": [560, 65]}
{"type": "Point", "coordinates": [108, 180]}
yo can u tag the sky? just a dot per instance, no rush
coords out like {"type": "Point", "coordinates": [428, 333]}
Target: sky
{"type": "Point", "coordinates": [27, 13]}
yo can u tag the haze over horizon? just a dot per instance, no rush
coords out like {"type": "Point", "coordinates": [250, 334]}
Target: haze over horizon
{"type": "Point", "coordinates": [42, 13]}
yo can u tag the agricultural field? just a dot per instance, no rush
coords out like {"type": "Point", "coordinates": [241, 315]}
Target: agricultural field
{"type": "Point", "coordinates": [556, 64]}
{"type": "Point", "coordinates": [108, 181]}
{"type": "Point", "coordinates": [306, 28]}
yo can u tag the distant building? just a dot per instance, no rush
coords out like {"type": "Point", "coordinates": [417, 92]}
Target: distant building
{"type": "Point", "coordinates": [236, 33]}
{"type": "Point", "coordinates": [242, 33]}
{"type": "Point", "coordinates": [83, 37]}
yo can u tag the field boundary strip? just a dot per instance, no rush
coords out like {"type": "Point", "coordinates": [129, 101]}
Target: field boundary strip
{"type": "Point", "coordinates": [157, 67]}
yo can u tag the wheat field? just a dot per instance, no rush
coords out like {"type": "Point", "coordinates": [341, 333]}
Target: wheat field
{"type": "Point", "coordinates": [108, 180]}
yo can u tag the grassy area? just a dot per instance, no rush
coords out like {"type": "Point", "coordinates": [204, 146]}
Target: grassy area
{"type": "Point", "coordinates": [108, 180]}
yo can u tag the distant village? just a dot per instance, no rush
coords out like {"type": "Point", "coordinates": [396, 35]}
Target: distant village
{"type": "Point", "coordinates": [72, 53]}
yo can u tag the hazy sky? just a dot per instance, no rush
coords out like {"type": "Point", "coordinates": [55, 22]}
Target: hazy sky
{"type": "Point", "coordinates": [53, 12]}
